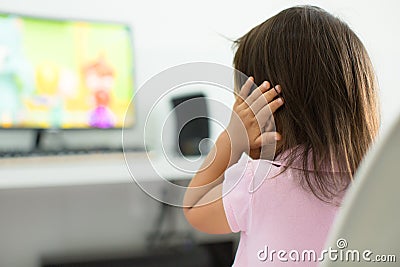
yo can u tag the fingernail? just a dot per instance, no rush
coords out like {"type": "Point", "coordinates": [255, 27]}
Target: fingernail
{"type": "Point", "coordinates": [278, 88]}
{"type": "Point", "coordinates": [280, 100]}
{"type": "Point", "coordinates": [277, 137]}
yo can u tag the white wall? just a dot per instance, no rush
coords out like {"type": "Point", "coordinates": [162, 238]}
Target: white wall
{"type": "Point", "coordinates": [172, 32]}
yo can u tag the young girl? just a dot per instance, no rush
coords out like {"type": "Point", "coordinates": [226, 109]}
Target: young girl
{"type": "Point", "coordinates": [326, 116]}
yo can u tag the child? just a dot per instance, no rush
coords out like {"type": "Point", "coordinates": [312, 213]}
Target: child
{"type": "Point", "coordinates": [326, 116]}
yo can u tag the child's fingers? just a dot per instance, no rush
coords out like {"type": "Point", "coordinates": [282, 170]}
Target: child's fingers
{"type": "Point", "coordinates": [245, 90]}
{"type": "Point", "coordinates": [264, 99]}
{"type": "Point", "coordinates": [277, 103]}
{"type": "Point", "coordinates": [265, 113]}
{"type": "Point", "coordinates": [270, 125]}
{"type": "Point", "coordinates": [257, 93]}
{"type": "Point", "coordinates": [267, 138]}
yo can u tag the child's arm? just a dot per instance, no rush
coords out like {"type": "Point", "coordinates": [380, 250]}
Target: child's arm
{"type": "Point", "coordinates": [203, 205]}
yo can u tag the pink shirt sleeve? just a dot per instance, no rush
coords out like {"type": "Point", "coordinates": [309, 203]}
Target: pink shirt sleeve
{"type": "Point", "coordinates": [236, 194]}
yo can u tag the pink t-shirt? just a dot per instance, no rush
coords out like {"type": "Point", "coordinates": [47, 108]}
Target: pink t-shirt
{"type": "Point", "coordinates": [273, 214]}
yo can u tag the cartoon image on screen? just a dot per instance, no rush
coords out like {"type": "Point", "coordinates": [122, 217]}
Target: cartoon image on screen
{"type": "Point", "coordinates": [64, 74]}
{"type": "Point", "coordinates": [99, 78]}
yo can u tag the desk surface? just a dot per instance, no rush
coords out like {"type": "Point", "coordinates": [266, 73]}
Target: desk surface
{"type": "Point", "coordinates": [92, 169]}
{"type": "Point", "coordinates": [82, 205]}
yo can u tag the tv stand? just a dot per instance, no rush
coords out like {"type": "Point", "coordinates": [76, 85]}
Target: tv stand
{"type": "Point", "coordinates": [38, 137]}
{"type": "Point", "coordinates": [40, 145]}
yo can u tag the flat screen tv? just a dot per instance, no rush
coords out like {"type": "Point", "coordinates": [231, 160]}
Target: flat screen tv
{"type": "Point", "coordinates": [64, 74]}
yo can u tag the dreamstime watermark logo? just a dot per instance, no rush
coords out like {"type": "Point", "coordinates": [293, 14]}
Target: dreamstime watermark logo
{"type": "Point", "coordinates": [340, 253]}
{"type": "Point", "coordinates": [162, 117]}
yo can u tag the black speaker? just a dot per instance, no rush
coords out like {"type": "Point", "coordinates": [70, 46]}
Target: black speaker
{"type": "Point", "coordinates": [192, 124]}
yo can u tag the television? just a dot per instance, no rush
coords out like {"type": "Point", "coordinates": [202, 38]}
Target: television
{"type": "Point", "coordinates": [65, 74]}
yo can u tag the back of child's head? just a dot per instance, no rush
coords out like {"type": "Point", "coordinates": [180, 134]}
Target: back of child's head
{"type": "Point", "coordinates": [330, 116]}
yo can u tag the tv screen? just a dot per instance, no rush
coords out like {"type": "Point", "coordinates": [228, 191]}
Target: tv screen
{"type": "Point", "coordinates": [64, 73]}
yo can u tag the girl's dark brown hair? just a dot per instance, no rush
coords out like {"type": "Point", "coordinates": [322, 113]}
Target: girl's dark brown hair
{"type": "Point", "coordinates": [330, 116]}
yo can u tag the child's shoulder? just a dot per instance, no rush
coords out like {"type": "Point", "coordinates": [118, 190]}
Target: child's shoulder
{"type": "Point", "coordinates": [250, 173]}
{"type": "Point", "coordinates": [241, 185]}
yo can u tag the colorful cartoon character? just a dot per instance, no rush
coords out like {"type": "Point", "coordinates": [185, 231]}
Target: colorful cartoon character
{"type": "Point", "coordinates": [99, 78]}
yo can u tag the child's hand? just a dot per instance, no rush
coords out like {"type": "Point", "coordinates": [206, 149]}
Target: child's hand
{"type": "Point", "coordinates": [249, 117]}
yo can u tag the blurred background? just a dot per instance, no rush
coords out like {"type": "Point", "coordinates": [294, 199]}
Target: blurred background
{"type": "Point", "coordinates": [60, 209]}
{"type": "Point", "coordinates": [168, 33]}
